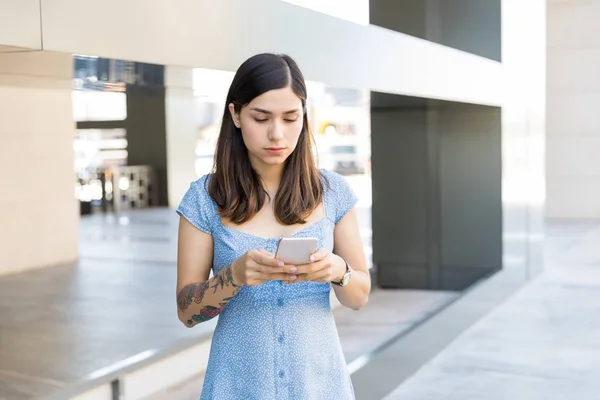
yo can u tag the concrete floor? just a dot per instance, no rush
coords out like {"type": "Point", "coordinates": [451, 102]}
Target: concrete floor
{"type": "Point", "coordinates": [542, 343]}
{"type": "Point", "coordinates": [60, 325]}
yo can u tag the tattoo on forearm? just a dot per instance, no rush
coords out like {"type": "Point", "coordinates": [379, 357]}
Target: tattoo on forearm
{"type": "Point", "coordinates": [224, 278]}
{"type": "Point", "coordinates": [192, 292]}
{"type": "Point", "coordinates": [195, 293]}
{"type": "Point", "coordinates": [208, 312]}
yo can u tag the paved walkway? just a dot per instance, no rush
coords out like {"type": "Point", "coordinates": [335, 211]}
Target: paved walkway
{"type": "Point", "coordinates": [542, 343]}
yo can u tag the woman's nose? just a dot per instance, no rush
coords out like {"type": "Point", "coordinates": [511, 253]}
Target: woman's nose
{"type": "Point", "coordinates": [276, 131]}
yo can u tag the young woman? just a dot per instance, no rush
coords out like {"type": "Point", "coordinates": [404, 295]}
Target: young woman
{"type": "Point", "coordinates": [276, 336]}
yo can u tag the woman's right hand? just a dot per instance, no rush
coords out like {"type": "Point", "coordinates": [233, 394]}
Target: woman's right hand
{"type": "Point", "coordinates": [258, 266]}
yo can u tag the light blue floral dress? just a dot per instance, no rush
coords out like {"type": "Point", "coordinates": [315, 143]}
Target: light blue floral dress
{"type": "Point", "coordinates": [273, 341]}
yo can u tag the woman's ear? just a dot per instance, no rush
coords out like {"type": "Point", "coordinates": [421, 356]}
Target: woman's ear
{"type": "Point", "coordinates": [234, 115]}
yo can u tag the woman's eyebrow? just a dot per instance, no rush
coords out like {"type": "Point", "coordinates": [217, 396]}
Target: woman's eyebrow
{"type": "Point", "coordinates": [260, 110]}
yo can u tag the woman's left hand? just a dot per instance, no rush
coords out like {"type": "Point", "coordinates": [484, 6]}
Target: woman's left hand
{"type": "Point", "coordinates": [324, 267]}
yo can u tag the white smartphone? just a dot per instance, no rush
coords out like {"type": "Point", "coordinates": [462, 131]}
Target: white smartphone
{"type": "Point", "coordinates": [296, 251]}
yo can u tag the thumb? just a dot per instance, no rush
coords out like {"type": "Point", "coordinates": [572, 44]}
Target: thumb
{"type": "Point", "coordinates": [319, 255]}
{"type": "Point", "coordinates": [268, 254]}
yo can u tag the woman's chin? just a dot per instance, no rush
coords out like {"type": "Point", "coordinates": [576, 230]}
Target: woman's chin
{"type": "Point", "coordinates": [270, 160]}
{"type": "Point", "coordinates": [274, 160]}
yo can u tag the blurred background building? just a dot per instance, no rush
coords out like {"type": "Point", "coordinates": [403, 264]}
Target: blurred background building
{"type": "Point", "coordinates": [462, 125]}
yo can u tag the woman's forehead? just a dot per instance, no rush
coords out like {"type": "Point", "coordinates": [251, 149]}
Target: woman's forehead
{"type": "Point", "coordinates": [276, 101]}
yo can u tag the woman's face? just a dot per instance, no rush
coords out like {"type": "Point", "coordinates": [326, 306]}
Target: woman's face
{"type": "Point", "coordinates": [271, 125]}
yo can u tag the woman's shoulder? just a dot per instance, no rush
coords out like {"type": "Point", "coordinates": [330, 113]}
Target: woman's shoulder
{"type": "Point", "coordinates": [196, 205]}
{"type": "Point", "coordinates": [200, 185]}
{"type": "Point", "coordinates": [197, 194]}
{"type": "Point", "coordinates": [334, 181]}
{"type": "Point", "coordinates": [339, 196]}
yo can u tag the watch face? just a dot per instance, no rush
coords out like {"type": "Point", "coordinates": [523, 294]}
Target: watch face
{"type": "Point", "coordinates": [346, 279]}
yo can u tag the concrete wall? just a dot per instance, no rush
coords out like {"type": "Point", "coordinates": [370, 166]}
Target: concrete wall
{"type": "Point", "coordinates": [38, 211]}
{"type": "Point", "coordinates": [473, 26]}
{"type": "Point", "coordinates": [437, 204]}
{"type": "Point", "coordinates": [146, 133]}
{"type": "Point", "coordinates": [407, 16]}
{"type": "Point", "coordinates": [573, 144]}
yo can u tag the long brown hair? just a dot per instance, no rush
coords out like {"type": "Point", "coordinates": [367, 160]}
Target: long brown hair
{"type": "Point", "coordinates": [234, 185]}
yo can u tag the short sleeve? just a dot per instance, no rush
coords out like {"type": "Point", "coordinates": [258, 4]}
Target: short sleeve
{"type": "Point", "coordinates": [343, 198]}
{"type": "Point", "coordinates": [197, 206]}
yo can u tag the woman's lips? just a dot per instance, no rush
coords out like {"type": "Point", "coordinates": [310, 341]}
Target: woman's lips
{"type": "Point", "coordinates": [275, 151]}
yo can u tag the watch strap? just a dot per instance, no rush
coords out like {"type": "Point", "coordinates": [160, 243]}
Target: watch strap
{"type": "Point", "coordinates": [341, 283]}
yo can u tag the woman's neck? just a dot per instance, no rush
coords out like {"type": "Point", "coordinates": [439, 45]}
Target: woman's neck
{"type": "Point", "coordinates": [271, 177]}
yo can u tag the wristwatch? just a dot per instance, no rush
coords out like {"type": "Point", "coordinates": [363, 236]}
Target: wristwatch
{"type": "Point", "coordinates": [346, 278]}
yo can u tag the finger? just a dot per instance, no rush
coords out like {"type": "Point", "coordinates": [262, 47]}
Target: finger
{"type": "Point", "coordinates": [302, 278]}
{"type": "Point", "coordinates": [266, 276]}
{"type": "Point", "coordinates": [306, 269]}
{"type": "Point", "coordinates": [286, 269]}
{"type": "Point", "coordinates": [271, 274]}
{"type": "Point", "coordinates": [263, 251]}
{"type": "Point", "coordinates": [319, 276]}
{"type": "Point", "coordinates": [319, 255]}
{"type": "Point", "coordinates": [310, 268]}
{"type": "Point", "coordinates": [292, 279]}
{"type": "Point", "coordinates": [265, 258]}
{"type": "Point", "coordinates": [298, 279]}
{"type": "Point", "coordinates": [282, 277]}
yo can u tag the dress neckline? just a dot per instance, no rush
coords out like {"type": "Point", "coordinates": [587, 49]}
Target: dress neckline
{"type": "Point", "coordinates": [304, 229]}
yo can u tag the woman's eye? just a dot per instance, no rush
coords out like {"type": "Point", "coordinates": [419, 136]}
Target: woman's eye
{"type": "Point", "coordinates": [260, 120]}
{"type": "Point", "coordinates": [291, 120]}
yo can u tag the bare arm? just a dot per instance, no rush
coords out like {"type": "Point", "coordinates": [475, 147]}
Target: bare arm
{"type": "Point", "coordinates": [348, 246]}
{"type": "Point", "coordinates": [199, 298]}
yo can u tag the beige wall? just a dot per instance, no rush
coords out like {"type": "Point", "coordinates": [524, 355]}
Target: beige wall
{"type": "Point", "coordinates": [573, 146]}
{"type": "Point", "coordinates": [38, 210]}
{"type": "Point", "coordinates": [180, 115]}
{"type": "Point", "coordinates": [20, 25]}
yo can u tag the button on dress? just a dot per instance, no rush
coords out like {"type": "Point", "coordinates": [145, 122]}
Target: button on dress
{"type": "Point", "coordinates": [273, 341]}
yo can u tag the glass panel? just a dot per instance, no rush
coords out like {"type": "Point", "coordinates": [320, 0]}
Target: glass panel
{"type": "Point", "coordinates": [95, 151]}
